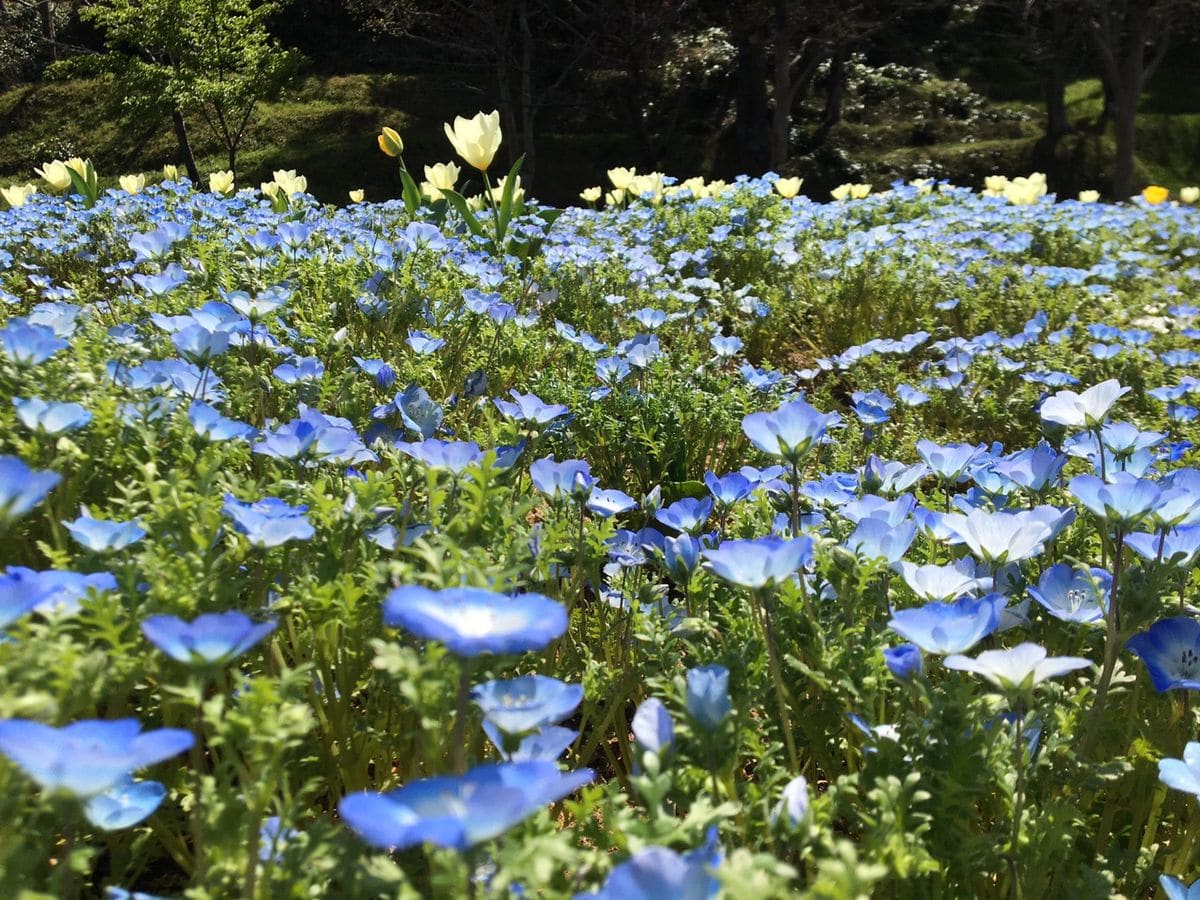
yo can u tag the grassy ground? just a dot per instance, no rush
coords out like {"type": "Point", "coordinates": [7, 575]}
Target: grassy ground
{"type": "Point", "coordinates": [325, 128]}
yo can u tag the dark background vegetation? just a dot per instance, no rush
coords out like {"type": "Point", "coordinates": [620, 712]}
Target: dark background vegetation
{"type": "Point", "coordinates": [861, 90]}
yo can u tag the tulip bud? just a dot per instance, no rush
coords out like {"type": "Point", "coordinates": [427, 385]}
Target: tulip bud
{"type": "Point", "coordinates": [1155, 194]}
{"type": "Point", "coordinates": [356, 196]}
{"type": "Point", "coordinates": [390, 142]}
{"type": "Point", "coordinates": [788, 187]}
{"type": "Point", "coordinates": [1189, 194]}
{"type": "Point", "coordinates": [132, 184]}
{"type": "Point", "coordinates": [591, 195]}
{"type": "Point", "coordinates": [476, 140]}
{"type": "Point", "coordinates": [170, 172]}
{"type": "Point", "coordinates": [221, 183]}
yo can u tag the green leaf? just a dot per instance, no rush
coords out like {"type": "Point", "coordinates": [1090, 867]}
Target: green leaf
{"type": "Point", "coordinates": [504, 213]}
{"type": "Point", "coordinates": [411, 194]}
{"type": "Point", "coordinates": [459, 202]}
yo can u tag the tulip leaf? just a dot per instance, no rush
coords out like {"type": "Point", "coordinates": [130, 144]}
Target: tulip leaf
{"type": "Point", "coordinates": [411, 194]}
{"type": "Point", "coordinates": [504, 214]}
{"type": "Point", "coordinates": [459, 203]}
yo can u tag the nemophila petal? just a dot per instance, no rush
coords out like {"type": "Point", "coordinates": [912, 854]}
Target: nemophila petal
{"type": "Point", "coordinates": [904, 662]}
{"type": "Point", "coordinates": [681, 555]}
{"type": "Point", "coordinates": [728, 489]}
{"type": "Point", "coordinates": [19, 594]}
{"type": "Point", "coordinates": [418, 411]}
{"type": "Point", "coordinates": [948, 462]}
{"type": "Point", "coordinates": [944, 628]}
{"type": "Point", "coordinates": [22, 488]}
{"type": "Point", "coordinates": [1124, 499]}
{"type": "Point", "coordinates": [656, 873]}
{"type": "Point", "coordinates": [51, 418]}
{"type": "Point", "coordinates": [103, 534]}
{"type": "Point", "coordinates": [1182, 774]}
{"type": "Point", "coordinates": [789, 432]}
{"type": "Point", "coordinates": [612, 502]}
{"type": "Point", "coordinates": [1035, 469]}
{"type": "Point", "coordinates": [209, 424]}
{"type": "Point", "coordinates": [269, 522]}
{"type": "Point", "coordinates": [879, 539]}
{"type": "Point", "coordinates": [1178, 547]}
{"type": "Point", "coordinates": [999, 537]}
{"type": "Point", "coordinates": [688, 514]}
{"type": "Point", "coordinates": [1018, 668]}
{"type": "Point", "coordinates": [124, 805]}
{"type": "Point", "coordinates": [523, 704]}
{"type": "Point", "coordinates": [1084, 410]}
{"type": "Point", "coordinates": [708, 700]}
{"type": "Point", "coordinates": [62, 591]}
{"type": "Point", "coordinates": [90, 757]}
{"type": "Point", "coordinates": [29, 345]}
{"type": "Point", "coordinates": [569, 478]}
{"type": "Point", "coordinates": [870, 506]}
{"type": "Point", "coordinates": [472, 621]}
{"type": "Point", "coordinates": [546, 744]}
{"type": "Point", "coordinates": [758, 563]}
{"type": "Point", "coordinates": [1071, 594]}
{"type": "Point", "coordinates": [199, 344]}
{"type": "Point", "coordinates": [1177, 890]}
{"type": "Point", "coordinates": [652, 726]}
{"type": "Point", "coordinates": [793, 803]}
{"type": "Point", "coordinates": [944, 583]}
{"type": "Point", "coordinates": [529, 408]}
{"type": "Point", "coordinates": [1170, 649]}
{"type": "Point", "coordinates": [444, 456]}
{"type": "Point", "coordinates": [211, 638]}
{"type": "Point", "coordinates": [461, 811]}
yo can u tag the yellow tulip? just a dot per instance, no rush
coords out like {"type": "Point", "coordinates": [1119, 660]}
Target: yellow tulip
{"type": "Point", "coordinates": [170, 172]}
{"type": "Point", "coordinates": [56, 174]}
{"type": "Point", "coordinates": [696, 185]}
{"type": "Point", "coordinates": [221, 182]}
{"type": "Point", "coordinates": [476, 203]}
{"type": "Point", "coordinates": [859, 191]}
{"type": "Point", "coordinates": [621, 177]}
{"type": "Point", "coordinates": [15, 195]}
{"type": "Point", "coordinates": [270, 189]}
{"type": "Point", "coordinates": [1089, 196]}
{"type": "Point", "coordinates": [787, 188]}
{"type": "Point", "coordinates": [289, 182]}
{"type": "Point", "coordinates": [78, 166]}
{"type": "Point", "coordinates": [994, 185]}
{"type": "Point", "coordinates": [924, 186]}
{"type": "Point", "coordinates": [591, 195]}
{"type": "Point", "coordinates": [614, 197]}
{"type": "Point", "coordinates": [1189, 194]}
{"type": "Point", "coordinates": [476, 140]}
{"type": "Point", "coordinates": [389, 142]}
{"type": "Point", "coordinates": [443, 176]}
{"type": "Point", "coordinates": [356, 196]}
{"type": "Point", "coordinates": [1155, 194]}
{"type": "Point", "coordinates": [132, 184]}
{"type": "Point", "coordinates": [650, 185]}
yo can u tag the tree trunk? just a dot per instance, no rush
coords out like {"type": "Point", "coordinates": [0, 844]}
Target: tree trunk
{"type": "Point", "coordinates": [1125, 126]}
{"type": "Point", "coordinates": [1054, 84]}
{"type": "Point", "coordinates": [782, 95]}
{"type": "Point", "coordinates": [750, 128]}
{"type": "Point", "coordinates": [46, 13]}
{"type": "Point", "coordinates": [185, 146]}
{"type": "Point", "coordinates": [835, 89]}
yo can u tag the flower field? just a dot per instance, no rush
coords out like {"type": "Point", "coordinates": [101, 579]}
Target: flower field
{"type": "Point", "coordinates": [703, 540]}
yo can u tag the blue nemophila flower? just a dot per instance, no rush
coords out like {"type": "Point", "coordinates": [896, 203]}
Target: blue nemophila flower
{"type": "Point", "coordinates": [29, 345]}
{"type": "Point", "coordinates": [688, 514]}
{"type": "Point", "coordinates": [569, 478]}
{"type": "Point", "coordinates": [269, 522]}
{"type": "Point", "coordinates": [1073, 595]}
{"type": "Point", "coordinates": [199, 344]}
{"type": "Point", "coordinates": [725, 347]}
{"type": "Point", "coordinates": [1035, 469]}
{"type": "Point", "coordinates": [102, 535]}
{"type": "Point", "coordinates": [1084, 410]}
{"type": "Point", "coordinates": [90, 757]}
{"type": "Point", "coordinates": [211, 639]}
{"type": "Point", "coordinates": [872, 407]}
{"type": "Point", "coordinates": [1182, 774]}
{"type": "Point", "coordinates": [520, 705]}
{"type": "Point", "coordinates": [459, 811]}
{"type": "Point", "coordinates": [289, 441]}
{"type": "Point", "coordinates": [422, 343]}
{"type": "Point", "coordinates": [211, 425]}
{"type": "Point", "coordinates": [1170, 648]}
{"type": "Point", "coordinates": [943, 628]}
{"type": "Point", "coordinates": [758, 563]}
{"type": "Point", "coordinates": [1123, 500]}
{"type": "Point", "coordinates": [471, 621]}
{"type": "Point", "coordinates": [418, 411]}
{"type": "Point", "coordinates": [729, 489]}
{"type": "Point", "coordinates": [444, 456]}
{"type": "Point", "coordinates": [51, 418]}
{"type": "Point", "coordinates": [999, 537]}
{"type": "Point", "coordinates": [879, 539]}
{"type": "Point", "coordinates": [904, 662]}
{"type": "Point", "coordinates": [22, 488]}
{"type": "Point", "coordinates": [546, 744]}
{"type": "Point", "coordinates": [681, 555]}
{"type": "Point", "coordinates": [793, 803]}
{"type": "Point", "coordinates": [708, 700]}
{"type": "Point", "coordinates": [889, 478]}
{"type": "Point", "coordinates": [789, 432]}
{"type": "Point", "coordinates": [612, 502]}
{"type": "Point", "coordinates": [656, 873]}
{"type": "Point", "coordinates": [892, 512]}
{"type": "Point", "coordinates": [1020, 668]}
{"type": "Point", "coordinates": [1177, 547]}
{"type": "Point", "coordinates": [124, 805]}
{"type": "Point", "coordinates": [300, 370]}
{"type": "Point", "coordinates": [652, 726]}
{"type": "Point", "coordinates": [944, 583]}
{"type": "Point", "coordinates": [19, 594]}
{"type": "Point", "coordinates": [529, 408]}
{"type": "Point", "coordinates": [948, 462]}
{"type": "Point", "coordinates": [1177, 890]}
{"type": "Point", "coordinates": [62, 591]}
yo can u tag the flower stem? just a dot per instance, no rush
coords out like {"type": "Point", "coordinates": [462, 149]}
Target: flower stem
{"type": "Point", "coordinates": [1111, 648]}
{"type": "Point", "coordinates": [458, 737]}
